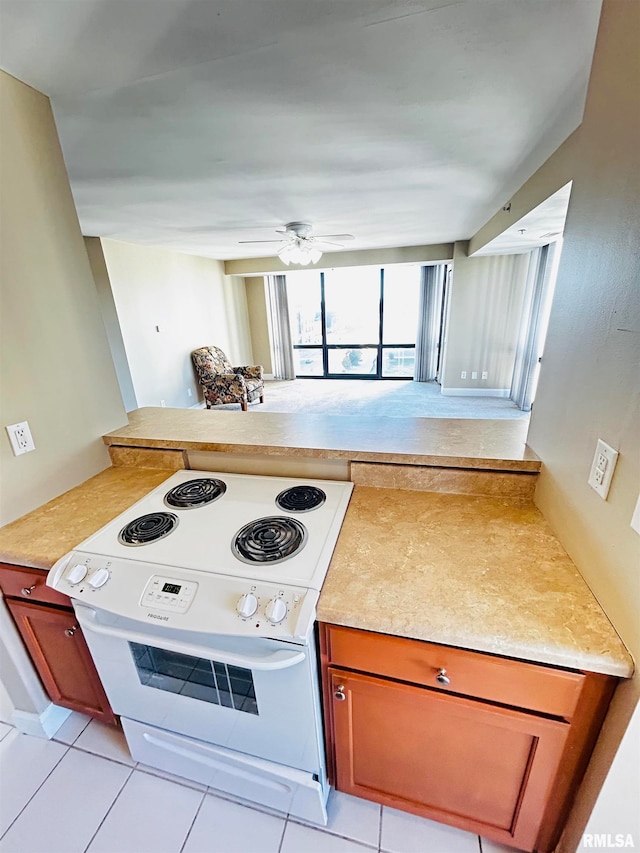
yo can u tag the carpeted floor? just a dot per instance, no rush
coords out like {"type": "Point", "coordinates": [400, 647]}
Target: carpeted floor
{"type": "Point", "coordinates": [382, 397]}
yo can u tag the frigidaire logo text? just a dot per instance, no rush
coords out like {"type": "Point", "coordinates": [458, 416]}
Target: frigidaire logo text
{"type": "Point", "coordinates": [155, 616]}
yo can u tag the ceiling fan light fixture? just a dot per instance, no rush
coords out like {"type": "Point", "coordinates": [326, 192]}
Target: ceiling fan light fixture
{"type": "Point", "coordinates": [298, 251]}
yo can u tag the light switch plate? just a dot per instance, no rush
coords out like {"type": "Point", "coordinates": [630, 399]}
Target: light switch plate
{"type": "Point", "coordinates": [602, 468]}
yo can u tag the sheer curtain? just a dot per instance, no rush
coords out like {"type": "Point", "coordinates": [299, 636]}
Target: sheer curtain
{"type": "Point", "coordinates": [429, 318]}
{"type": "Point", "coordinates": [279, 330]}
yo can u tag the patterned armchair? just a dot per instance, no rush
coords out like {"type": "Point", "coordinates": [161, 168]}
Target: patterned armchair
{"type": "Point", "coordinates": [222, 383]}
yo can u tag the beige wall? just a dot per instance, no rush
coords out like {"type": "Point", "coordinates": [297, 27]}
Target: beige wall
{"type": "Point", "coordinates": [191, 301]}
{"type": "Point", "coordinates": [589, 383]}
{"type": "Point", "coordinates": [362, 258]}
{"type": "Point", "coordinates": [258, 321]}
{"type": "Point", "coordinates": [111, 322]}
{"type": "Point", "coordinates": [485, 308]}
{"type": "Point", "coordinates": [56, 368]}
{"type": "Point", "coordinates": [616, 811]}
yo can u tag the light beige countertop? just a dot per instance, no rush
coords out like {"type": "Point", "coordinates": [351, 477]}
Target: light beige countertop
{"type": "Point", "coordinates": [480, 573]}
{"type": "Point", "coordinates": [41, 537]}
{"type": "Point", "coordinates": [460, 443]}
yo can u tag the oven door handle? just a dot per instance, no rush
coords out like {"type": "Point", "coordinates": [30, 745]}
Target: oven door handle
{"type": "Point", "coordinates": [275, 660]}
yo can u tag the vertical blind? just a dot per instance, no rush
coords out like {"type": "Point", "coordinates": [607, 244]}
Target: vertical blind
{"type": "Point", "coordinates": [280, 331]}
{"type": "Point", "coordinates": [429, 319]}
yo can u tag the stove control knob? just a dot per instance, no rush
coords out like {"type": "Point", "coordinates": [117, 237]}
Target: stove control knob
{"type": "Point", "coordinates": [276, 610]}
{"type": "Point", "coordinates": [98, 578]}
{"type": "Point", "coordinates": [78, 573]}
{"type": "Point", "coordinates": [247, 605]}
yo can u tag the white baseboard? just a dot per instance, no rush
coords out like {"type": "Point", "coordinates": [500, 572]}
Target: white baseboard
{"type": "Point", "coordinates": [43, 725]}
{"type": "Point", "coordinates": [198, 405]}
{"type": "Point", "coordinates": [267, 375]}
{"type": "Point", "coordinates": [475, 392]}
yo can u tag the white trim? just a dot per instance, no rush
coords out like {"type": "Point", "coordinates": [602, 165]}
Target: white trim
{"type": "Point", "coordinates": [267, 376]}
{"type": "Point", "coordinates": [475, 392]}
{"type": "Point", "coordinates": [199, 405]}
{"type": "Point", "coordinates": [43, 725]}
{"type": "Point", "coordinates": [20, 679]}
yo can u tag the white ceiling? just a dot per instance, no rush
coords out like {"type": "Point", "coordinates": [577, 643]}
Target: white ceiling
{"type": "Point", "coordinates": [194, 124]}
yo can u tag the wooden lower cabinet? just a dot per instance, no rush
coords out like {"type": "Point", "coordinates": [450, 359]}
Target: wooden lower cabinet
{"type": "Point", "coordinates": [504, 772]}
{"type": "Point", "coordinates": [55, 643]}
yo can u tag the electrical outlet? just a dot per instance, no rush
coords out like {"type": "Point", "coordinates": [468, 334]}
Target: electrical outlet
{"type": "Point", "coordinates": [474, 374]}
{"type": "Point", "coordinates": [635, 518]}
{"type": "Point", "coordinates": [485, 374]}
{"type": "Point", "coordinates": [602, 468]}
{"type": "Point", "coordinates": [189, 392]}
{"type": "Point", "coordinates": [463, 374]}
{"type": "Point", "coordinates": [20, 438]}
{"type": "Point", "coordinates": [162, 403]}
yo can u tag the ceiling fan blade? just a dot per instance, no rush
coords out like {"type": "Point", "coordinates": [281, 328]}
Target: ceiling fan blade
{"type": "Point", "coordinates": [320, 244]}
{"type": "Point", "coordinates": [333, 236]}
{"type": "Point", "coordinates": [259, 241]}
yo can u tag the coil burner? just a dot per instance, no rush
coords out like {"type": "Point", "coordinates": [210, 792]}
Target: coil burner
{"type": "Point", "coordinates": [148, 528]}
{"type": "Point", "coordinates": [267, 540]}
{"type": "Point", "coordinates": [301, 498]}
{"type": "Point", "coordinates": [195, 493]}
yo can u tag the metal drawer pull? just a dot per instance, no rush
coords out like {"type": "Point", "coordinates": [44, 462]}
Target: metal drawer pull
{"type": "Point", "coordinates": [69, 632]}
{"type": "Point", "coordinates": [27, 590]}
{"type": "Point", "coordinates": [442, 677]}
{"type": "Point", "coordinates": [339, 694]}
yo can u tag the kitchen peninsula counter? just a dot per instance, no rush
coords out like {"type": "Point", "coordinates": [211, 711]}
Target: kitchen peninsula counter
{"type": "Point", "coordinates": [481, 573]}
{"type": "Point", "coordinates": [497, 445]}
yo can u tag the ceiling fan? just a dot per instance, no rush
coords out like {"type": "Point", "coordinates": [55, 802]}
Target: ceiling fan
{"type": "Point", "coordinates": [298, 246]}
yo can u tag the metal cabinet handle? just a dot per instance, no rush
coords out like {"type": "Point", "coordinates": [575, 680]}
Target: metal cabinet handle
{"type": "Point", "coordinates": [69, 632]}
{"type": "Point", "coordinates": [339, 694]}
{"type": "Point", "coordinates": [442, 677]}
{"type": "Point", "coordinates": [27, 590]}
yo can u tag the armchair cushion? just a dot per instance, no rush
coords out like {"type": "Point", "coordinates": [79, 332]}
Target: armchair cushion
{"type": "Point", "coordinates": [253, 371]}
{"type": "Point", "coordinates": [222, 383]}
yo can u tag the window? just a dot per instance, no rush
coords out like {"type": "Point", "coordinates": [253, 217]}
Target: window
{"type": "Point", "coordinates": [209, 681]}
{"type": "Point", "coordinates": [357, 322]}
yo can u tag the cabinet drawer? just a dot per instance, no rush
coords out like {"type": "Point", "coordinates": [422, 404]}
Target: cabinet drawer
{"type": "Point", "coordinates": [15, 579]}
{"type": "Point", "coordinates": [542, 689]}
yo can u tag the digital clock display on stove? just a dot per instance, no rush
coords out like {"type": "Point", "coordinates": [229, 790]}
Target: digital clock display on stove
{"type": "Point", "coordinates": [173, 588]}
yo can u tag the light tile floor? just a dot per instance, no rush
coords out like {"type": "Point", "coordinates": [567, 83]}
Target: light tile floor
{"type": "Point", "coordinates": [82, 791]}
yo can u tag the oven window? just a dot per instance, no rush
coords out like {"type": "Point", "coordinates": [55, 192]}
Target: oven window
{"type": "Point", "coordinates": [210, 681]}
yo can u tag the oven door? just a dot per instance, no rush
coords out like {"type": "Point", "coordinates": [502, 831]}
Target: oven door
{"type": "Point", "coordinates": [249, 694]}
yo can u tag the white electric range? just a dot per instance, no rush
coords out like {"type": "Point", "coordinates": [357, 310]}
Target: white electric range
{"type": "Point", "coordinates": [198, 605]}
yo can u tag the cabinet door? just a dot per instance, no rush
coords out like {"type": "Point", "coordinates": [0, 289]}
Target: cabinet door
{"type": "Point", "coordinates": [481, 767]}
{"type": "Point", "coordinates": [62, 658]}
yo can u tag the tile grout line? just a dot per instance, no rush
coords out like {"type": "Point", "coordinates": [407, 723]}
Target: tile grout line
{"type": "Point", "coordinates": [326, 831]}
{"type": "Point", "coordinates": [239, 801]}
{"type": "Point", "coordinates": [380, 830]}
{"type": "Point", "coordinates": [105, 757]}
{"type": "Point", "coordinates": [195, 817]}
{"type": "Point", "coordinates": [284, 829]}
{"type": "Point", "coordinates": [105, 815]}
{"type": "Point", "coordinates": [157, 773]}
{"type": "Point", "coordinates": [36, 791]}
{"type": "Point", "coordinates": [75, 738]}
